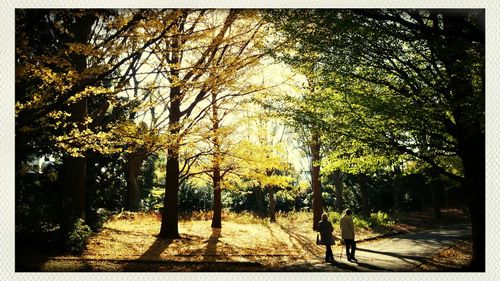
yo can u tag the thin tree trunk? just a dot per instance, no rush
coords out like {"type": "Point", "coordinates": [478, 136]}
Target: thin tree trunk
{"type": "Point", "coordinates": [434, 186]}
{"type": "Point", "coordinates": [365, 209]}
{"type": "Point", "coordinates": [298, 202]}
{"type": "Point", "coordinates": [397, 188]}
{"type": "Point", "coordinates": [339, 199]}
{"type": "Point", "coordinates": [315, 180]}
{"type": "Point", "coordinates": [397, 196]}
{"type": "Point", "coordinates": [216, 162]}
{"type": "Point", "coordinates": [272, 204]}
{"type": "Point", "coordinates": [132, 169]}
{"type": "Point", "coordinates": [217, 216]}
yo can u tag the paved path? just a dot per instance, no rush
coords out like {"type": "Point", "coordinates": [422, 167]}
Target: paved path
{"type": "Point", "coordinates": [398, 253]}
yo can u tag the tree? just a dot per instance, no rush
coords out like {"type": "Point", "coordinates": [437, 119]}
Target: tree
{"type": "Point", "coordinates": [306, 115]}
{"type": "Point", "coordinates": [70, 59]}
{"type": "Point", "coordinates": [80, 29]}
{"type": "Point", "coordinates": [426, 69]}
{"type": "Point", "coordinates": [204, 51]}
{"type": "Point", "coordinates": [264, 166]}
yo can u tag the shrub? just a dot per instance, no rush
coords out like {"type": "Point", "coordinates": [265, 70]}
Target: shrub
{"type": "Point", "coordinates": [195, 198]}
{"type": "Point", "coordinates": [97, 218]}
{"type": "Point", "coordinates": [380, 219]}
{"type": "Point", "coordinates": [76, 238]}
{"type": "Point", "coordinates": [285, 201]}
{"type": "Point", "coordinates": [361, 223]}
{"type": "Point", "coordinates": [154, 200]}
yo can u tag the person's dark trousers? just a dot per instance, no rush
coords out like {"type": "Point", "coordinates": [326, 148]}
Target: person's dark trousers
{"type": "Point", "coordinates": [350, 248]}
{"type": "Point", "coordinates": [329, 253]}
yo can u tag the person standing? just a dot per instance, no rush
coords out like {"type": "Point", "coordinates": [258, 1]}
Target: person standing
{"type": "Point", "coordinates": [325, 229]}
{"type": "Point", "coordinates": [347, 230]}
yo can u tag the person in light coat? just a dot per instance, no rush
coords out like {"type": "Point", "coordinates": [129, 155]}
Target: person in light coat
{"type": "Point", "coordinates": [347, 230]}
{"type": "Point", "coordinates": [325, 229]}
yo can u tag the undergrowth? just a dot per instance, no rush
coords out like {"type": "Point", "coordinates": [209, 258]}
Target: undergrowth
{"type": "Point", "coordinates": [375, 220]}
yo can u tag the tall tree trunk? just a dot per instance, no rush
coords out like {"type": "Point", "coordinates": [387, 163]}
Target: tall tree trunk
{"type": "Point", "coordinates": [315, 179]}
{"type": "Point", "coordinates": [473, 159]}
{"type": "Point", "coordinates": [468, 112]}
{"type": "Point", "coordinates": [339, 199]}
{"type": "Point", "coordinates": [216, 162]}
{"type": "Point", "coordinates": [170, 216]}
{"type": "Point", "coordinates": [272, 204]}
{"type": "Point", "coordinates": [365, 209]}
{"type": "Point", "coordinates": [76, 166]}
{"type": "Point", "coordinates": [132, 169]}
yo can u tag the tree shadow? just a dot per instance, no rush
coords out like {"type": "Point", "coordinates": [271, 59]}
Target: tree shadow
{"type": "Point", "coordinates": [210, 253]}
{"type": "Point", "coordinates": [277, 239]}
{"type": "Point", "coordinates": [345, 266]}
{"type": "Point", "coordinates": [303, 241]}
{"type": "Point", "coordinates": [372, 267]}
{"type": "Point", "coordinates": [152, 254]}
{"type": "Point", "coordinates": [396, 255]}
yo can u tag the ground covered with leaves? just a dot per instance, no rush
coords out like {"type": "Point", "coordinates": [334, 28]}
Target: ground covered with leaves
{"type": "Point", "coordinates": [129, 242]}
{"type": "Point", "coordinates": [455, 258]}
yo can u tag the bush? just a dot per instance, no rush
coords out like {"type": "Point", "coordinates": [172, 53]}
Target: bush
{"type": "Point", "coordinates": [195, 198]}
{"type": "Point", "coordinates": [285, 202]}
{"type": "Point", "coordinates": [361, 223]}
{"type": "Point", "coordinates": [380, 219]}
{"type": "Point", "coordinates": [240, 201]}
{"type": "Point", "coordinates": [97, 218]}
{"type": "Point", "coordinates": [154, 200]}
{"type": "Point", "coordinates": [76, 238]}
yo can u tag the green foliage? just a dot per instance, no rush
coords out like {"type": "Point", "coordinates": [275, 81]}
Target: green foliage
{"type": "Point", "coordinates": [361, 223]}
{"type": "Point", "coordinates": [153, 200]}
{"type": "Point", "coordinates": [403, 87]}
{"type": "Point", "coordinates": [240, 200]}
{"type": "Point", "coordinates": [195, 198]}
{"type": "Point", "coordinates": [39, 199]}
{"type": "Point", "coordinates": [106, 182]}
{"type": "Point", "coordinates": [77, 236]}
{"type": "Point", "coordinates": [287, 201]}
{"type": "Point", "coordinates": [148, 178]}
{"type": "Point", "coordinates": [96, 218]}
{"type": "Point", "coordinates": [375, 220]}
{"type": "Point", "coordinates": [380, 219]}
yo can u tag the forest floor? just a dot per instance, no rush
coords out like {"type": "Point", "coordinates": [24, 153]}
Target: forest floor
{"type": "Point", "coordinates": [129, 242]}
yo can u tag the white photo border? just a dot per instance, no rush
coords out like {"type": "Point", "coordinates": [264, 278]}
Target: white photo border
{"type": "Point", "coordinates": [7, 253]}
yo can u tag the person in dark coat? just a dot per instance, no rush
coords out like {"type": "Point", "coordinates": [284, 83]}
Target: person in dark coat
{"type": "Point", "coordinates": [325, 229]}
